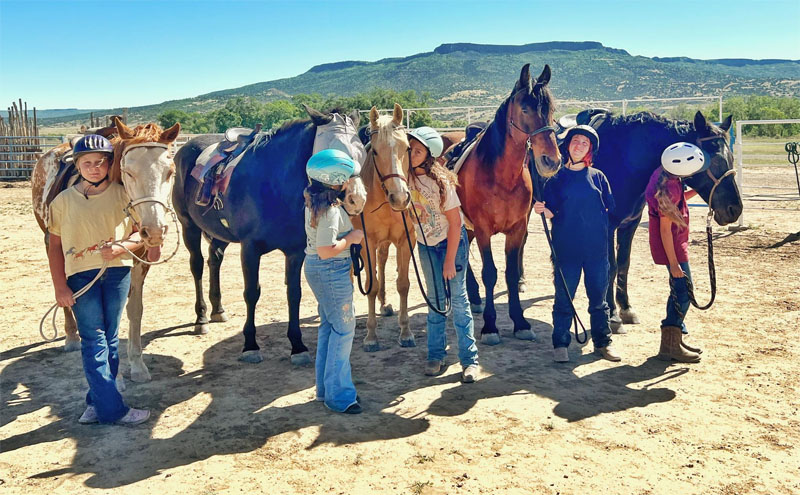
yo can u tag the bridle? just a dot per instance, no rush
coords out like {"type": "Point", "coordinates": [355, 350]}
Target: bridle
{"type": "Point", "coordinates": [374, 154]}
{"type": "Point", "coordinates": [730, 172]}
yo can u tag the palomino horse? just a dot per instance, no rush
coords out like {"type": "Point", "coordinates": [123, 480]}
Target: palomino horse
{"type": "Point", "coordinates": [385, 174]}
{"type": "Point", "coordinates": [496, 189]}
{"type": "Point", "coordinates": [263, 210]}
{"type": "Point", "coordinates": [142, 166]}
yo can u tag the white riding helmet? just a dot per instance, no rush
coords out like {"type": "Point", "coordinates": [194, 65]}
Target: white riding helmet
{"type": "Point", "coordinates": [683, 159]}
{"type": "Point", "coordinates": [430, 139]}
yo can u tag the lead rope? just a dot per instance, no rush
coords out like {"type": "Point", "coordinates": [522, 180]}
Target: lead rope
{"type": "Point", "coordinates": [358, 263]}
{"type": "Point", "coordinates": [88, 286]}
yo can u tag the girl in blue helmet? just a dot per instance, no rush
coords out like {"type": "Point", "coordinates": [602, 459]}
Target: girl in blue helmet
{"type": "Point", "coordinates": [578, 200]}
{"type": "Point", "coordinates": [81, 220]}
{"type": "Point", "coordinates": [433, 195]}
{"type": "Point", "coordinates": [329, 234]}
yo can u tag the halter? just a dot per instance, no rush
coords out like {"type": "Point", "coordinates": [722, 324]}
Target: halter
{"type": "Point", "coordinates": [382, 177]}
{"type": "Point", "coordinates": [730, 172]}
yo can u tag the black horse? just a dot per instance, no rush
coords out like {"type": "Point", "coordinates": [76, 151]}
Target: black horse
{"type": "Point", "coordinates": [262, 210]}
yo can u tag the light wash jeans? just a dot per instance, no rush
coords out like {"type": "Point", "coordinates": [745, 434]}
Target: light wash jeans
{"type": "Point", "coordinates": [330, 281]}
{"type": "Point", "coordinates": [98, 313]}
{"type": "Point", "coordinates": [461, 312]}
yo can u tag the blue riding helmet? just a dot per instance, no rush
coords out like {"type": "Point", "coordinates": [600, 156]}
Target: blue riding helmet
{"type": "Point", "coordinates": [332, 167]}
{"type": "Point", "coordinates": [92, 143]}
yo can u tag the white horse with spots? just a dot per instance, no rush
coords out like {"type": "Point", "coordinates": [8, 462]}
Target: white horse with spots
{"type": "Point", "coordinates": [143, 166]}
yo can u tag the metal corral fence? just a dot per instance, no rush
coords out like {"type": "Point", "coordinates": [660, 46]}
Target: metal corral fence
{"type": "Point", "coordinates": [18, 154]}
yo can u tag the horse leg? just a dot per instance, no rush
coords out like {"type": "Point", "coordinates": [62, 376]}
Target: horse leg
{"type": "Point", "coordinates": [403, 259]}
{"type": "Point", "coordinates": [614, 320]}
{"type": "Point", "coordinates": [251, 262]}
{"type": "Point", "coordinates": [523, 286]}
{"type": "Point", "coordinates": [191, 238]}
{"type": "Point", "coordinates": [383, 256]}
{"type": "Point", "coordinates": [473, 290]}
{"type": "Point", "coordinates": [514, 240]}
{"type": "Point", "coordinates": [371, 339]}
{"type": "Point", "coordinates": [216, 252]}
{"type": "Point", "coordinates": [134, 308]}
{"type": "Point", "coordinates": [294, 265]}
{"type": "Point", "coordinates": [73, 340]}
{"type": "Point", "coordinates": [489, 333]}
{"type": "Point", "coordinates": [624, 243]}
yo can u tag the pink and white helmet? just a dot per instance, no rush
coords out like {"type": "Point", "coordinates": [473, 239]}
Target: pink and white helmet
{"type": "Point", "coordinates": [683, 159]}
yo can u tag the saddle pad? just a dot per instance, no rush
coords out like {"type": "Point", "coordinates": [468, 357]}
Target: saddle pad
{"type": "Point", "coordinates": [340, 134]}
{"type": "Point", "coordinates": [460, 162]}
{"type": "Point", "coordinates": [208, 158]}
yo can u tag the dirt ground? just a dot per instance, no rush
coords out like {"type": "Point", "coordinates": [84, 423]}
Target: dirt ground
{"type": "Point", "coordinates": [728, 425]}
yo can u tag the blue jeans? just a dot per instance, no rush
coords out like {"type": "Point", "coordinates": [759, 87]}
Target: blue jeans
{"type": "Point", "coordinates": [595, 280]}
{"type": "Point", "coordinates": [462, 314]}
{"type": "Point", "coordinates": [330, 281]}
{"type": "Point", "coordinates": [98, 313]}
{"type": "Point", "coordinates": [678, 301]}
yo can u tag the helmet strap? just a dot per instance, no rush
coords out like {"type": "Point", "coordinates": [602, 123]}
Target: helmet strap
{"type": "Point", "coordinates": [95, 184]}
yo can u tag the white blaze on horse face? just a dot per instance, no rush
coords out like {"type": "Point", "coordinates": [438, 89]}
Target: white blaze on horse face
{"type": "Point", "coordinates": [147, 173]}
{"type": "Point", "coordinates": [355, 196]}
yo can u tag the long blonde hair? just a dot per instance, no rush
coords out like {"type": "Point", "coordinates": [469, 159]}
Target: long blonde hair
{"type": "Point", "coordinates": [665, 204]}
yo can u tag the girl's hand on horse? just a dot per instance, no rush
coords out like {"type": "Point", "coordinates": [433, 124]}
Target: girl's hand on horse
{"type": "Point", "coordinates": [354, 237]}
{"type": "Point", "coordinates": [676, 271]}
{"type": "Point", "coordinates": [109, 252]}
{"type": "Point", "coordinates": [449, 270]}
{"type": "Point", "coordinates": [64, 296]}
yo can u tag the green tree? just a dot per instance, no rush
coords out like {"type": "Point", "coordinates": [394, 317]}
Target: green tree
{"type": "Point", "coordinates": [170, 117]}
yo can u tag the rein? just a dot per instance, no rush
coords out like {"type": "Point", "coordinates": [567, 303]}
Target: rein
{"type": "Point", "coordinates": [447, 300]}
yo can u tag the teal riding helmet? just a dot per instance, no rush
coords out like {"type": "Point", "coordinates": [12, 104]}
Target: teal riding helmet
{"type": "Point", "coordinates": [430, 139]}
{"type": "Point", "coordinates": [332, 167]}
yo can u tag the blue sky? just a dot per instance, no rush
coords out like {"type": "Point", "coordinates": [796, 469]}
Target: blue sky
{"type": "Point", "coordinates": [88, 54]}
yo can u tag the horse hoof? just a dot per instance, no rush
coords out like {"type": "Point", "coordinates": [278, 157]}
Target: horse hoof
{"type": "Point", "coordinates": [526, 334]}
{"type": "Point", "coordinates": [476, 308]}
{"type": "Point", "coordinates": [408, 342]}
{"type": "Point", "coordinates": [72, 345]}
{"type": "Point", "coordinates": [522, 287]}
{"type": "Point", "coordinates": [140, 376]}
{"type": "Point", "coordinates": [629, 316]}
{"type": "Point", "coordinates": [616, 326]}
{"type": "Point", "coordinates": [372, 347]}
{"type": "Point", "coordinates": [201, 328]}
{"type": "Point", "coordinates": [219, 317]}
{"type": "Point", "coordinates": [252, 357]}
{"type": "Point", "coordinates": [120, 383]}
{"type": "Point", "coordinates": [300, 359]}
{"type": "Point", "coordinates": [490, 338]}
{"type": "Point", "coordinates": [387, 310]}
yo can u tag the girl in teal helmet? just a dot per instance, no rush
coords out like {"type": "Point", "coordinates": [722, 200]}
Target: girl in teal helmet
{"type": "Point", "coordinates": [442, 246]}
{"type": "Point", "coordinates": [329, 234]}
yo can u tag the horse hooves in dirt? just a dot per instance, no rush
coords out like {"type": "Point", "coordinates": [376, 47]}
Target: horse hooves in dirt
{"type": "Point", "coordinates": [629, 316]}
{"type": "Point", "coordinates": [523, 287]}
{"type": "Point", "coordinates": [219, 317]}
{"type": "Point", "coordinates": [407, 342]}
{"type": "Point", "coordinates": [201, 328]}
{"type": "Point", "coordinates": [526, 334]}
{"type": "Point", "coordinates": [476, 308]}
{"type": "Point", "coordinates": [252, 357]}
{"type": "Point", "coordinates": [616, 325]}
{"type": "Point", "coordinates": [300, 359]}
{"type": "Point", "coordinates": [387, 310]}
{"type": "Point", "coordinates": [371, 347]}
{"type": "Point", "coordinates": [490, 338]}
{"type": "Point", "coordinates": [71, 345]}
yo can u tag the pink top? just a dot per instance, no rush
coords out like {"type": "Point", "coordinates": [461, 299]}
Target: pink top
{"type": "Point", "coordinates": [680, 236]}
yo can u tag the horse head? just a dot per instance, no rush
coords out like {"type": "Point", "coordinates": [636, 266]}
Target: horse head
{"type": "Point", "coordinates": [390, 156]}
{"type": "Point", "coordinates": [713, 140]}
{"type": "Point", "coordinates": [339, 131]}
{"type": "Point", "coordinates": [530, 119]}
{"type": "Point", "coordinates": [143, 165]}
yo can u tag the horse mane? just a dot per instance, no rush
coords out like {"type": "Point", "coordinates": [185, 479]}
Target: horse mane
{"type": "Point", "coordinates": [148, 133]}
{"type": "Point", "coordinates": [683, 128]}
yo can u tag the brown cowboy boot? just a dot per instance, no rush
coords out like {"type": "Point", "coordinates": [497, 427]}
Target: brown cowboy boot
{"type": "Point", "coordinates": [674, 349]}
{"type": "Point", "coordinates": [663, 351]}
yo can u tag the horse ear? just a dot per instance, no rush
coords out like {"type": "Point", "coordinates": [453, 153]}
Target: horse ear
{"type": "Point", "coordinates": [726, 124]}
{"type": "Point", "coordinates": [318, 118]}
{"type": "Point", "coordinates": [544, 77]}
{"type": "Point", "coordinates": [124, 131]}
{"type": "Point", "coordinates": [700, 122]}
{"type": "Point", "coordinates": [170, 134]}
{"type": "Point", "coordinates": [397, 116]}
{"type": "Point", "coordinates": [373, 118]}
{"type": "Point", "coordinates": [524, 78]}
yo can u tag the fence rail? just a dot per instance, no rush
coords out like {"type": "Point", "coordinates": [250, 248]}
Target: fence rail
{"type": "Point", "coordinates": [18, 154]}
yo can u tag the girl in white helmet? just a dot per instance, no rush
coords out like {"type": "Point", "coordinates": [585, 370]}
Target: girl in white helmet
{"type": "Point", "coordinates": [669, 241]}
{"type": "Point", "coordinates": [433, 195]}
{"type": "Point", "coordinates": [329, 234]}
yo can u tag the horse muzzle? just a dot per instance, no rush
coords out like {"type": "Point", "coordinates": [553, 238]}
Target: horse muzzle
{"type": "Point", "coordinates": [546, 166]}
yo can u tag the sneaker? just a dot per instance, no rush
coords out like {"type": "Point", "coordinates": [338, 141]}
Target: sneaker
{"type": "Point", "coordinates": [608, 353]}
{"type": "Point", "coordinates": [470, 373]}
{"type": "Point", "coordinates": [134, 417]}
{"type": "Point", "coordinates": [560, 355]}
{"type": "Point", "coordinates": [89, 416]}
{"type": "Point", "coordinates": [353, 409]}
{"type": "Point", "coordinates": [435, 367]}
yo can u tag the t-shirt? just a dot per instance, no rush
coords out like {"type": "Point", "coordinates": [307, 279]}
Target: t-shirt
{"type": "Point", "coordinates": [85, 224]}
{"type": "Point", "coordinates": [580, 201]}
{"type": "Point", "coordinates": [428, 203]}
{"type": "Point", "coordinates": [680, 235]}
{"type": "Point", "coordinates": [332, 225]}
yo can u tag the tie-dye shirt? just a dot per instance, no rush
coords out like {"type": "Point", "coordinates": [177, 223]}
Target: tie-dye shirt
{"type": "Point", "coordinates": [426, 200]}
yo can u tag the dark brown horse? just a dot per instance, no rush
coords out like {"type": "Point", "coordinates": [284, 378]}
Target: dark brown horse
{"type": "Point", "coordinates": [496, 189]}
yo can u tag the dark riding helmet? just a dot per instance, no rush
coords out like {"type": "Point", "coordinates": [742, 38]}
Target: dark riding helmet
{"type": "Point", "coordinates": [584, 130]}
{"type": "Point", "coordinates": [92, 143]}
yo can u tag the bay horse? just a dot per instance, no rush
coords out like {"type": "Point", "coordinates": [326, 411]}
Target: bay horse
{"type": "Point", "coordinates": [142, 165]}
{"type": "Point", "coordinates": [385, 174]}
{"type": "Point", "coordinates": [263, 211]}
{"type": "Point", "coordinates": [496, 189]}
